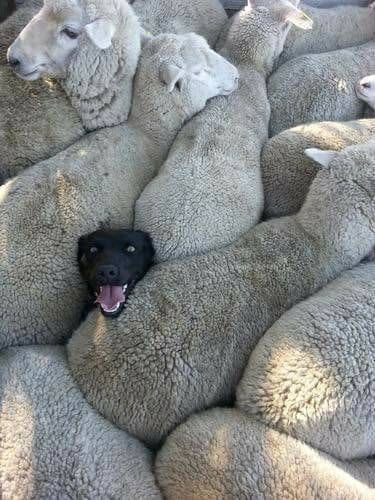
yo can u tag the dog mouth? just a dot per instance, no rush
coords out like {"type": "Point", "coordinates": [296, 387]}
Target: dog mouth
{"type": "Point", "coordinates": [112, 298]}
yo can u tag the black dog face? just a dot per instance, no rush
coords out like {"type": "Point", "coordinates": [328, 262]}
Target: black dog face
{"type": "Point", "coordinates": [111, 262]}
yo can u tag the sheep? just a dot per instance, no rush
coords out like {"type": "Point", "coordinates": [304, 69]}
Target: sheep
{"type": "Point", "coordinates": [189, 327]}
{"type": "Point", "coordinates": [337, 28]}
{"type": "Point", "coordinates": [325, 397]}
{"type": "Point", "coordinates": [209, 191]}
{"type": "Point", "coordinates": [204, 17]}
{"type": "Point", "coordinates": [319, 87]}
{"type": "Point", "coordinates": [97, 81]}
{"type": "Point", "coordinates": [287, 171]}
{"type": "Point", "coordinates": [53, 444]}
{"type": "Point", "coordinates": [92, 184]}
{"type": "Point", "coordinates": [23, 145]}
{"type": "Point", "coordinates": [25, 142]}
{"type": "Point", "coordinates": [225, 454]}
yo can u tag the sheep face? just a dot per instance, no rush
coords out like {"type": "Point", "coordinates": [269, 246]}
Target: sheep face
{"type": "Point", "coordinates": [45, 45]}
{"type": "Point", "coordinates": [184, 72]}
{"type": "Point", "coordinates": [366, 90]}
{"type": "Point", "coordinates": [341, 200]}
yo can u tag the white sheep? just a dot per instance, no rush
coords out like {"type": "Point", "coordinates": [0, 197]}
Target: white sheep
{"type": "Point", "coordinates": [325, 397]}
{"type": "Point", "coordinates": [366, 91]}
{"type": "Point", "coordinates": [204, 17]}
{"type": "Point", "coordinates": [105, 78]}
{"type": "Point", "coordinates": [287, 171]}
{"type": "Point", "coordinates": [209, 191]}
{"type": "Point", "coordinates": [95, 182]}
{"type": "Point", "coordinates": [318, 87]}
{"type": "Point", "coordinates": [92, 47]}
{"type": "Point", "coordinates": [53, 444]}
{"type": "Point", "coordinates": [333, 29]}
{"type": "Point", "coordinates": [187, 332]}
{"type": "Point", "coordinates": [41, 102]}
{"type": "Point", "coordinates": [225, 454]}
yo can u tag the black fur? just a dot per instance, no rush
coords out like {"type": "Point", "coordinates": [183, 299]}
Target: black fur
{"type": "Point", "coordinates": [104, 259]}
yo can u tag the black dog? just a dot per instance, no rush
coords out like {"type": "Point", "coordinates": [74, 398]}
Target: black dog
{"type": "Point", "coordinates": [111, 262]}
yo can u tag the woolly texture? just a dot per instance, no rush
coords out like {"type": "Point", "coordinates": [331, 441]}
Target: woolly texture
{"type": "Point", "coordinates": [287, 172]}
{"type": "Point", "coordinates": [24, 142]}
{"type": "Point", "coordinates": [204, 17]}
{"type": "Point", "coordinates": [209, 191]}
{"type": "Point", "coordinates": [336, 28]}
{"type": "Point", "coordinates": [92, 184]}
{"type": "Point", "coordinates": [225, 454]}
{"type": "Point", "coordinates": [190, 326]}
{"type": "Point", "coordinates": [312, 375]}
{"type": "Point", "coordinates": [318, 87]}
{"type": "Point", "coordinates": [53, 444]}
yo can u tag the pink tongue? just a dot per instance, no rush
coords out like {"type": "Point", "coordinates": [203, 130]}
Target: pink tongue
{"type": "Point", "coordinates": [110, 296]}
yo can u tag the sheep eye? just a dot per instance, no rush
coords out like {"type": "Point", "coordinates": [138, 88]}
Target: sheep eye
{"type": "Point", "coordinates": [130, 249]}
{"type": "Point", "coordinates": [70, 33]}
{"type": "Point", "coordinates": [93, 250]}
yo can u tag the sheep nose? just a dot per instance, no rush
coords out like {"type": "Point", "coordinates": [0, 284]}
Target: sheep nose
{"type": "Point", "coordinates": [13, 62]}
{"type": "Point", "coordinates": [366, 85]}
{"type": "Point", "coordinates": [107, 274]}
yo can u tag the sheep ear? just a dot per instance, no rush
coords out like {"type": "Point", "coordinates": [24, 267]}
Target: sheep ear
{"type": "Point", "coordinates": [295, 16]}
{"type": "Point", "coordinates": [101, 33]}
{"type": "Point", "coordinates": [324, 158]}
{"type": "Point", "coordinates": [172, 76]}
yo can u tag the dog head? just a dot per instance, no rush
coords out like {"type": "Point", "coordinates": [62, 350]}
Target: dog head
{"type": "Point", "coordinates": [111, 262]}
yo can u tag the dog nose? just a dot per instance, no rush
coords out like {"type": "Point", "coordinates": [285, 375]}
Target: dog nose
{"type": "Point", "coordinates": [107, 273]}
{"type": "Point", "coordinates": [13, 62]}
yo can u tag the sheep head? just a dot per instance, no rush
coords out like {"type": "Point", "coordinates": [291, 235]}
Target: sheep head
{"type": "Point", "coordinates": [45, 46]}
{"type": "Point", "coordinates": [365, 90]}
{"type": "Point", "coordinates": [179, 74]}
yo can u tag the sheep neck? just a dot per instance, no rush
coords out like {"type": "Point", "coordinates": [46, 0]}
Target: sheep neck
{"type": "Point", "coordinates": [159, 124]}
{"type": "Point", "coordinates": [99, 83]}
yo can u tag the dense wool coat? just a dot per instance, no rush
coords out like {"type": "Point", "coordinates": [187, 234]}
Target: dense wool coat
{"type": "Point", "coordinates": [53, 444]}
{"type": "Point", "coordinates": [187, 332]}
{"type": "Point", "coordinates": [93, 184]}
{"type": "Point", "coordinates": [319, 87]}
{"type": "Point", "coordinates": [287, 171]}
{"type": "Point", "coordinates": [333, 29]}
{"type": "Point", "coordinates": [225, 454]}
{"type": "Point", "coordinates": [312, 375]}
{"type": "Point", "coordinates": [209, 191]}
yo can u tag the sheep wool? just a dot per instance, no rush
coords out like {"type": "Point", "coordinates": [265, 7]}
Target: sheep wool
{"type": "Point", "coordinates": [225, 454]}
{"type": "Point", "coordinates": [325, 397]}
{"type": "Point", "coordinates": [336, 28]}
{"type": "Point", "coordinates": [186, 334]}
{"type": "Point", "coordinates": [53, 444]}
{"type": "Point", "coordinates": [286, 170]}
{"type": "Point", "coordinates": [93, 184]}
{"type": "Point", "coordinates": [319, 87]}
{"type": "Point", "coordinates": [209, 191]}
{"type": "Point", "coordinates": [26, 141]}
{"type": "Point", "coordinates": [204, 17]}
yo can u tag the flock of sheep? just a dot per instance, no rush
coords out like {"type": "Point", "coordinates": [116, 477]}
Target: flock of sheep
{"type": "Point", "coordinates": [252, 166]}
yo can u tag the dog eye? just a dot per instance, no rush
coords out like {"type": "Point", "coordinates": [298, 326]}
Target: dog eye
{"type": "Point", "coordinates": [93, 250]}
{"type": "Point", "coordinates": [130, 249]}
{"type": "Point", "coordinates": [70, 33]}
